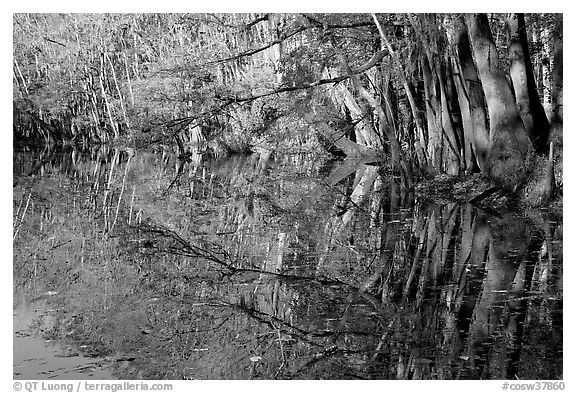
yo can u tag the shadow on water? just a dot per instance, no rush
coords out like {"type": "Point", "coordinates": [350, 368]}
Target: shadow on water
{"type": "Point", "coordinates": [285, 267]}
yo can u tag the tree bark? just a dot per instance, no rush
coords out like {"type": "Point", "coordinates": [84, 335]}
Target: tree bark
{"type": "Point", "coordinates": [432, 108]}
{"type": "Point", "coordinates": [510, 151]}
{"type": "Point", "coordinates": [448, 126]}
{"type": "Point", "coordinates": [546, 72]}
{"type": "Point", "coordinates": [120, 98]}
{"type": "Point", "coordinates": [473, 95]}
{"type": "Point", "coordinates": [446, 142]}
{"type": "Point", "coordinates": [105, 97]}
{"type": "Point", "coordinates": [128, 81]}
{"type": "Point", "coordinates": [557, 73]}
{"type": "Point", "coordinates": [527, 100]}
{"type": "Point", "coordinates": [23, 81]}
{"type": "Point", "coordinates": [378, 109]}
{"type": "Point", "coordinates": [421, 143]}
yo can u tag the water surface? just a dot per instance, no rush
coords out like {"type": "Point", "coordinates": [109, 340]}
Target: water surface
{"type": "Point", "coordinates": [268, 266]}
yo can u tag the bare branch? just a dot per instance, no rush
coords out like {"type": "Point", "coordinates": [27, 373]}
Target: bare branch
{"type": "Point", "coordinates": [227, 101]}
{"type": "Point", "coordinates": [255, 22]}
{"type": "Point", "coordinates": [313, 25]}
{"type": "Point", "coordinates": [54, 42]}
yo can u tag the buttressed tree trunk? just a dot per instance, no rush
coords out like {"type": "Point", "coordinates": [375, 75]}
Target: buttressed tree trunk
{"type": "Point", "coordinates": [527, 101]}
{"type": "Point", "coordinates": [473, 94]}
{"type": "Point", "coordinates": [510, 150]}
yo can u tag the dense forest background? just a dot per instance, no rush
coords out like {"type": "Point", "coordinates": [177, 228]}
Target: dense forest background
{"type": "Point", "coordinates": [422, 93]}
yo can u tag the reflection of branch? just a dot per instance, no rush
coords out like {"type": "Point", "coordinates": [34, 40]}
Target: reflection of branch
{"type": "Point", "coordinates": [327, 352]}
{"type": "Point", "coordinates": [177, 333]}
{"type": "Point", "coordinates": [185, 248]}
{"type": "Point", "coordinates": [180, 171]}
{"type": "Point", "coordinates": [268, 319]}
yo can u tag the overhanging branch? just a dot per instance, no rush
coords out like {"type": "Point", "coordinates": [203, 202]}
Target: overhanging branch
{"type": "Point", "coordinates": [227, 101]}
{"type": "Point", "coordinates": [313, 24]}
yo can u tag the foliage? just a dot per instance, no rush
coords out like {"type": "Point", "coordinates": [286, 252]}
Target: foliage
{"type": "Point", "coordinates": [389, 81]}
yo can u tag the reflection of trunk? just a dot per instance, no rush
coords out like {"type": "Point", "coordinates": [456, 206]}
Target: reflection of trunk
{"type": "Point", "coordinates": [263, 162]}
{"type": "Point", "coordinates": [487, 313]}
{"type": "Point", "coordinates": [360, 191]}
{"type": "Point", "coordinates": [507, 249]}
{"type": "Point", "coordinates": [363, 184]}
{"type": "Point", "coordinates": [471, 284]}
{"type": "Point", "coordinates": [273, 263]}
{"type": "Point", "coordinates": [108, 190]}
{"type": "Point", "coordinates": [449, 214]}
{"type": "Point", "coordinates": [517, 308]}
{"type": "Point", "coordinates": [527, 100]}
{"type": "Point", "coordinates": [420, 231]}
{"type": "Point", "coordinates": [509, 144]}
{"type": "Point", "coordinates": [130, 154]}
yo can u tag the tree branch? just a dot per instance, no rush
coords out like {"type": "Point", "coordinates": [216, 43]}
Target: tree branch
{"type": "Point", "coordinates": [227, 101]}
{"type": "Point", "coordinates": [54, 42]}
{"type": "Point", "coordinates": [314, 24]}
{"type": "Point", "coordinates": [255, 22]}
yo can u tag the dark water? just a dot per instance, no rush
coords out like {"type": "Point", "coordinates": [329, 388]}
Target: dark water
{"type": "Point", "coordinates": [263, 267]}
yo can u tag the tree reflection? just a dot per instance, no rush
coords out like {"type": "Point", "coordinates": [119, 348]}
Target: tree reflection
{"type": "Point", "coordinates": [270, 267]}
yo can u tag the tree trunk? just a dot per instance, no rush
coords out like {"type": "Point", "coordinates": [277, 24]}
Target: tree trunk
{"type": "Point", "coordinates": [275, 24]}
{"type": "Point", "coordinates": [421, 143]}
{"type": "Point", "coordinates": [365, 133]}
{"type": "Point", "coordinates": [129, 82]}
{"type": "Point", "coordinates": [120, 98]}
{"type": "Point", "coordinates": [432, 108]}
{"type": "Point", "coordinates": [546, 74]}
{"type": "Point", "coordinates": [527, 100]}
{"type": "Point", "coordinates": [376, 106]}
{"type": "Point", "coordinates": [474, 95]}
{"type": "Point", "coordinates": [446, 142]}
{"type": "Point", "coordinates": [23, 81]}
{"type": "Point", "coordinates": [468, 128]}
{"type": "Point", "coordinates": [557, 74]}
{"type": "Point", "coordinates": [448, 126]}
{"type": "Point", "coordinates": [510, 151]}
{"type": "Point", "coordinates": [105, 97]}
